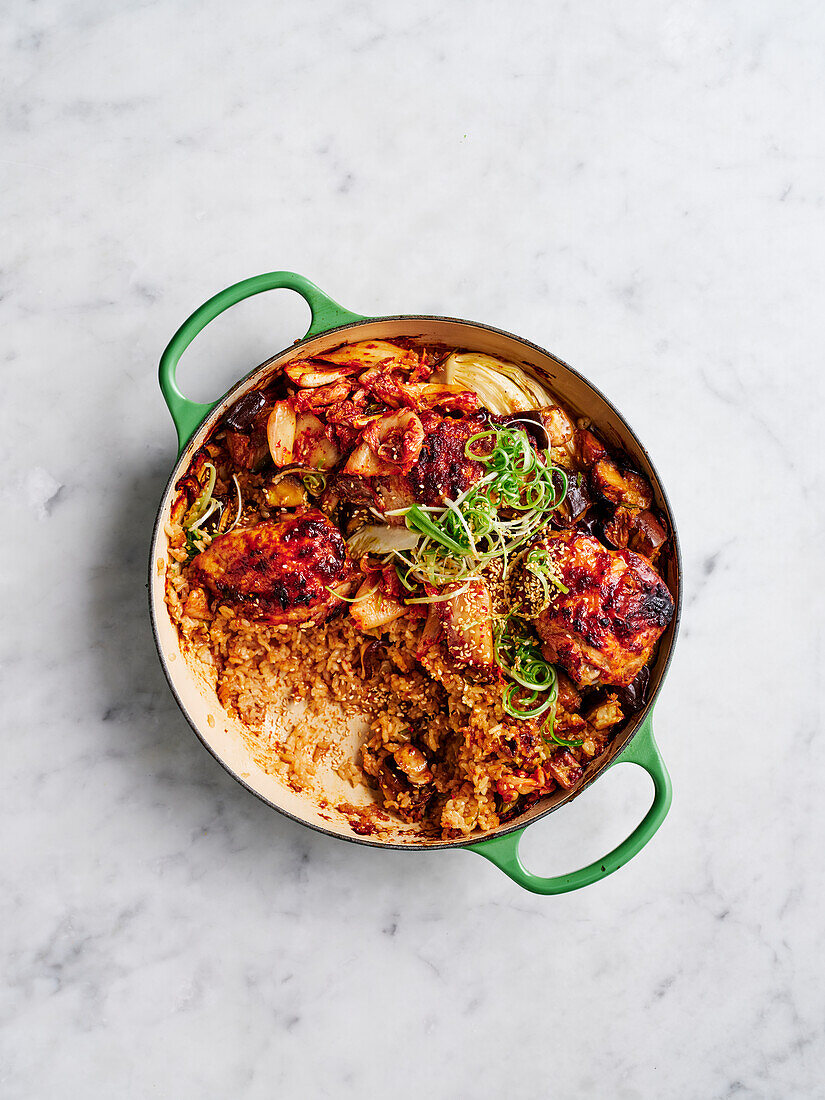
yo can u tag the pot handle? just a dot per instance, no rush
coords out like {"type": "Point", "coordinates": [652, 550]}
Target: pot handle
{"type": "Point", "coordinates": [503, 851]}
{"type": "Point", "coordinates": [326, 314]}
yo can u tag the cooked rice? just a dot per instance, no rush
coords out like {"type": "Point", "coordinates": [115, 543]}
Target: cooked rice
{"type": "Point", "coordinates": [261, 672]}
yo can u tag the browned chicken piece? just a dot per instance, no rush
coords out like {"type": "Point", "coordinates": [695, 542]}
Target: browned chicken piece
{"type": "Point", "coordinates": [443, 470]}
{"type": "Point", "coordinates": [279, 572]}
{"type": "Point", "coordinates": [604, 628]}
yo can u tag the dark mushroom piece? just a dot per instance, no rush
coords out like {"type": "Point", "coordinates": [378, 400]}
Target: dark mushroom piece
{"type": "Point", "coordinates": [565, 769]}
{"type": "Point", "coordinates": [531, 422]}
{"type": "Point", "coordinates": [620, 485]}
{"type": "Point", "coordinates": [638, 531]}
{"type": "Point", "coordinates": [576, 501]}
{"type": "Point", "coordinates": [372, 654]}
{"type": "Point", "coordinates": [648, 535]}
{"type": "Point", "coordinates": [242, 416]}
{"type": "Point", "coordinates": [632, 697]}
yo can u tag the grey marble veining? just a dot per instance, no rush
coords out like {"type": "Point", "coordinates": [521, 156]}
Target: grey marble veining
{"type": "Point", "coordinates": [638, 188]}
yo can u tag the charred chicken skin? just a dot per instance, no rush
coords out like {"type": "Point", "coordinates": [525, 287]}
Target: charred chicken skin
{"type": "Point", "coordinates": [604, 628]}
{"type": "Point", "coordinates": [289, 571]}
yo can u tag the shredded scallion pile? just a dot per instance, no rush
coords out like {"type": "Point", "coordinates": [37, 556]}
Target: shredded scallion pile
{"type": "Point", "coordinates": [534, 690]}
{"type": "Point", "coordinates": [508, 505]}
{"type": "Point", "coordinates": [202, 510]}
{"type": "Point", "coordinates": [540, 565]}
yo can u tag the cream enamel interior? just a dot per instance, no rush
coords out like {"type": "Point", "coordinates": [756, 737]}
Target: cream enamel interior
{"type": "Point", "coordinates": [223, 734]}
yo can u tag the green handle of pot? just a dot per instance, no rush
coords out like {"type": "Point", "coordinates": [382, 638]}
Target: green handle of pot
{"type": "Point", "coordinates": [503, 851]}
{"type": "Point", "coordinates": [326, 314]}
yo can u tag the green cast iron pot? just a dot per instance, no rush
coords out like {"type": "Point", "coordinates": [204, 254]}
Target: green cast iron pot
{"type": "Point", "coordinates": [222, 734]}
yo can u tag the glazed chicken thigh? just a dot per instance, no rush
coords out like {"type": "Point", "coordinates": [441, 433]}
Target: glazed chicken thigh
{"type": "Point", "coordinates": [290, 571]}
{"type": "Point", "coordinates": [603, 629]}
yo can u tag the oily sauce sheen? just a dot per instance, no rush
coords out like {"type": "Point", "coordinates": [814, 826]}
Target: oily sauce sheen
{"type": "Point", "coordinates": [285, 568]}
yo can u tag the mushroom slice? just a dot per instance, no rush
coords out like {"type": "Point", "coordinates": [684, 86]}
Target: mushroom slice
{"type": "Point", "coordinates": [565, 769]}
{"type": "Point", "coordinates": [621, 486]}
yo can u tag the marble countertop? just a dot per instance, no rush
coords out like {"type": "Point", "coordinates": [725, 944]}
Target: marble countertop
{"type": "Point", "coordinates": [638, 188]}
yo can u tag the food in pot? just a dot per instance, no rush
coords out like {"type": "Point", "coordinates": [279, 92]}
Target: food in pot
{"type": "Point", "coordinates": [607, 612]}
{"type": "Point", "coordinates": [290, 570]}
{"type": "Point", "coordinates": [425, 539]}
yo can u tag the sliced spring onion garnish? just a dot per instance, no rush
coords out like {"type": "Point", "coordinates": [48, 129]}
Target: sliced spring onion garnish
{"type": "Point", "coordinates": [439, 599]}
{"type": "Point", "coordinates": [352, 599]}
{"type": "Point", "coordinates": [529, 706]}
{"type": "Point", "coordinates": [212, 507]}
{"type": "Point", "coordinates": [531, 424]}
{"type": "Point", "coordinates": [539, 563]}
{"type": "Point", "coordinates": [550, 734]}
{"type": "Point", "coordinates": [509, 503]}
{"type": "Point", "coordinates": [519, 656]}
{"type": "Point", "coordinates": [314, 482]}
{"type": "Point", "coordinates": [196, 512]}
{"type": "Point", "coordinates": [404, 576]}
{"type": "Point", "coordinates": [418, 520]}
{"type": "Point", "coordinates": [503, 509]}
{"type": "Point", "coordinates": [239, 513]}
